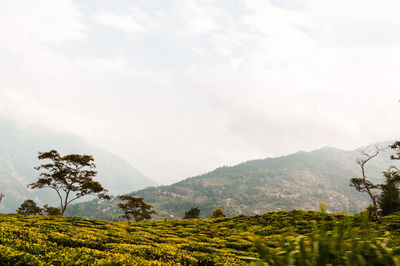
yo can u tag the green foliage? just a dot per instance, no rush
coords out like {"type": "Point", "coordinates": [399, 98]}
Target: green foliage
{"type": "Point", "coordinates": [389, 200]}
{"type": "Point", "coordinates": [29, 207]}
{"type": "Point", "coordinates": [342, 247]}
{"type": "Point", "coordinates": [70, 174]}
{"type": "Point", "coordinates": [395, 146]}
{"type": "Point", "coordinates": [360, 186]}
{"type": "Point", "coordinates": [344, 244]}
{"type": "Point", "coordinates": [218, 213]}
{"type": "Point", "coordinates": [371, 211]}
{"type": "Point", "coordinates": [51, 211]}
{"type": "Point", "coordinates": [135, 207]}
{"type": "Point", "coordinates": [51, 240]}
{"type": "Point", "coordinates": [193, 213]}
{"type": "Point", "coordinates": [10, 256]}
{"type": "Point", "coordinates": [297, 181]}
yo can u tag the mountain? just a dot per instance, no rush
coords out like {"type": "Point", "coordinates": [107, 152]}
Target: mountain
{"type": "Point", "coordinates": [296, 181]}
{"type": "Point", "coordinates": [18, 155]}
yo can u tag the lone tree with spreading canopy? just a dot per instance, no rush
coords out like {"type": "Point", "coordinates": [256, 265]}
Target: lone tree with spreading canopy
{"type": "Point", "coordinates": [135, 207]}
{"type": "Point", "coordinates": [71, 176]}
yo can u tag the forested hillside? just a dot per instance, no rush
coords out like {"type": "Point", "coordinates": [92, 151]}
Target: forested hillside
{"type": "Point", "coordinates": [297, 181]}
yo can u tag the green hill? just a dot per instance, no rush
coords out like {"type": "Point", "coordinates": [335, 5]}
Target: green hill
{"type": "Point", "coordinates": [35, 240]}
{"type": "Point", "coordinates": [298, 181]}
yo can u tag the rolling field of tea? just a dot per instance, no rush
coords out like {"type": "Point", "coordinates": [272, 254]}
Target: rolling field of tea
{"type": "Point", "coordinates": [44, 240]}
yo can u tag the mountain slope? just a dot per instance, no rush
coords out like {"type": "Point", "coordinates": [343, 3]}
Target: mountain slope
{"type": "Point", "coordinates": [18, 155]}
{"type": "Point", "coordinates": [297, 181]}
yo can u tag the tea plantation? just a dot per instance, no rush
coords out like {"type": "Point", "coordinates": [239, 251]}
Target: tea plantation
{"type": "Point", "coordinates": [44, 240]}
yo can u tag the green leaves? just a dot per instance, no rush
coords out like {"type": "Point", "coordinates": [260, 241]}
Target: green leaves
{"type": "Point", "coordinates": [345, 244]}
{"type": "Point", "coordinates": [218, 213]}
{"type": "Point", "coordinates": [136, 208]}
{"type": "Point", "coordinates": [313, 238]}
{"type": "Point", "coordinates": [396, 146]}
{"type": "Point", "coordinates": [29, 207]}
{"type": "Point", "coordinates": [71, 176]}
{"type": "Point", "coordinates": [51, 211]}
{"type": "Point", "coordinates": [389, 200]}
{"type": "Point", "coordinates": [193, 213]}
{"type": "Point", "coordinates": [360, 186]}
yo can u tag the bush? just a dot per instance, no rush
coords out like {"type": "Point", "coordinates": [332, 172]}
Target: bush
{"type": "Point", "coordinates": [218, 213]}
{"type": "Point", "coordinates": [44, 240]}
{"type": "Point", "coordinates": [193, 213]}
{"type": "Point", "coordinates": [344, 245]}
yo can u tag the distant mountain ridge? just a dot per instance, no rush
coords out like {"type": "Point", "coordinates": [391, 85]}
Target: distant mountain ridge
{"type": "Point", "coordinates": [18, 155]}
{"type": "Point", "coordinates": [297, 181]}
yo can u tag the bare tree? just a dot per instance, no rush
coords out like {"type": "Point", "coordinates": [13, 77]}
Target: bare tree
{"type": "Point", "coordinates": [1, 196]}
{"type": "Point", "coordinates": [363, 184]}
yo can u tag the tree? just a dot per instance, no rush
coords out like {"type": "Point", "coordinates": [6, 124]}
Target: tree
{"type": "Point", "coordinates": [396, 146]}
{"type": "Point", "coordinates": [193, 213]}
{"type": "Point", "coordinates": [218, 213]}
{"type": "Point", "coordinates": [29, 207]}
{"type": "Point", "coordinates": [51, 211]}
{"type": "Point", "coordinates": [1, 196]}
{"type": "Point", "coordinates": [363, 184]}
{"type": "Point", "coordinates": [389, 200]}
{"type": "Point", "coordinates": [71, 176]}
{"type": "Point", "coordinates": [135, 207]}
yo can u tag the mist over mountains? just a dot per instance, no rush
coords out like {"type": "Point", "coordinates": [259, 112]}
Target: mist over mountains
{"type": "Point", "coordinates": [18, 155]}
{"type": "Point", "coordinates": [297, 181]}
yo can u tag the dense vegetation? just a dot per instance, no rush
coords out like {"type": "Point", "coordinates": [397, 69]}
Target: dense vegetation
{"type": "Point", "coordinates": [69, 240]}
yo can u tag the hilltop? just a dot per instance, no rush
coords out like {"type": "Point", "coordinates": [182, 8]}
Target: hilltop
{"type": "Point", "coordinates": [297, 181]}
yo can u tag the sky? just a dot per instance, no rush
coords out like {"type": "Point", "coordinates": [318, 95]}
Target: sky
{"type": "Point", "coordinates": [180, 87]}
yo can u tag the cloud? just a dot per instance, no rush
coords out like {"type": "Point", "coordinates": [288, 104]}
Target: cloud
{"type": "Point", "coordinates": [360, 23]}
{"type": "Point", "coordinates": [43, 21]}
{"type": "Point", "coordinates": [203, 83]}
{"type": "Point", "coordinates": [27, 111]}
{"type": "Point", "coordinates": [123, 22]}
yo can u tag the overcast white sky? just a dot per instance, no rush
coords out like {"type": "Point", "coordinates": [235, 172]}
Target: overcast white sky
{"type": "Point", "coordinates": [180, 87]}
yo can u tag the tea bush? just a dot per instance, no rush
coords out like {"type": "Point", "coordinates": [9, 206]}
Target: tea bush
{"type": "Point", "coordinates": [347, 243]}
{"type": "Point", "coordinates": [49, 240]}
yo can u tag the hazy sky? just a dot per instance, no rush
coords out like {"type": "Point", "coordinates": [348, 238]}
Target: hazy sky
{"type": "Point", "coordinates": [179, 87]}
